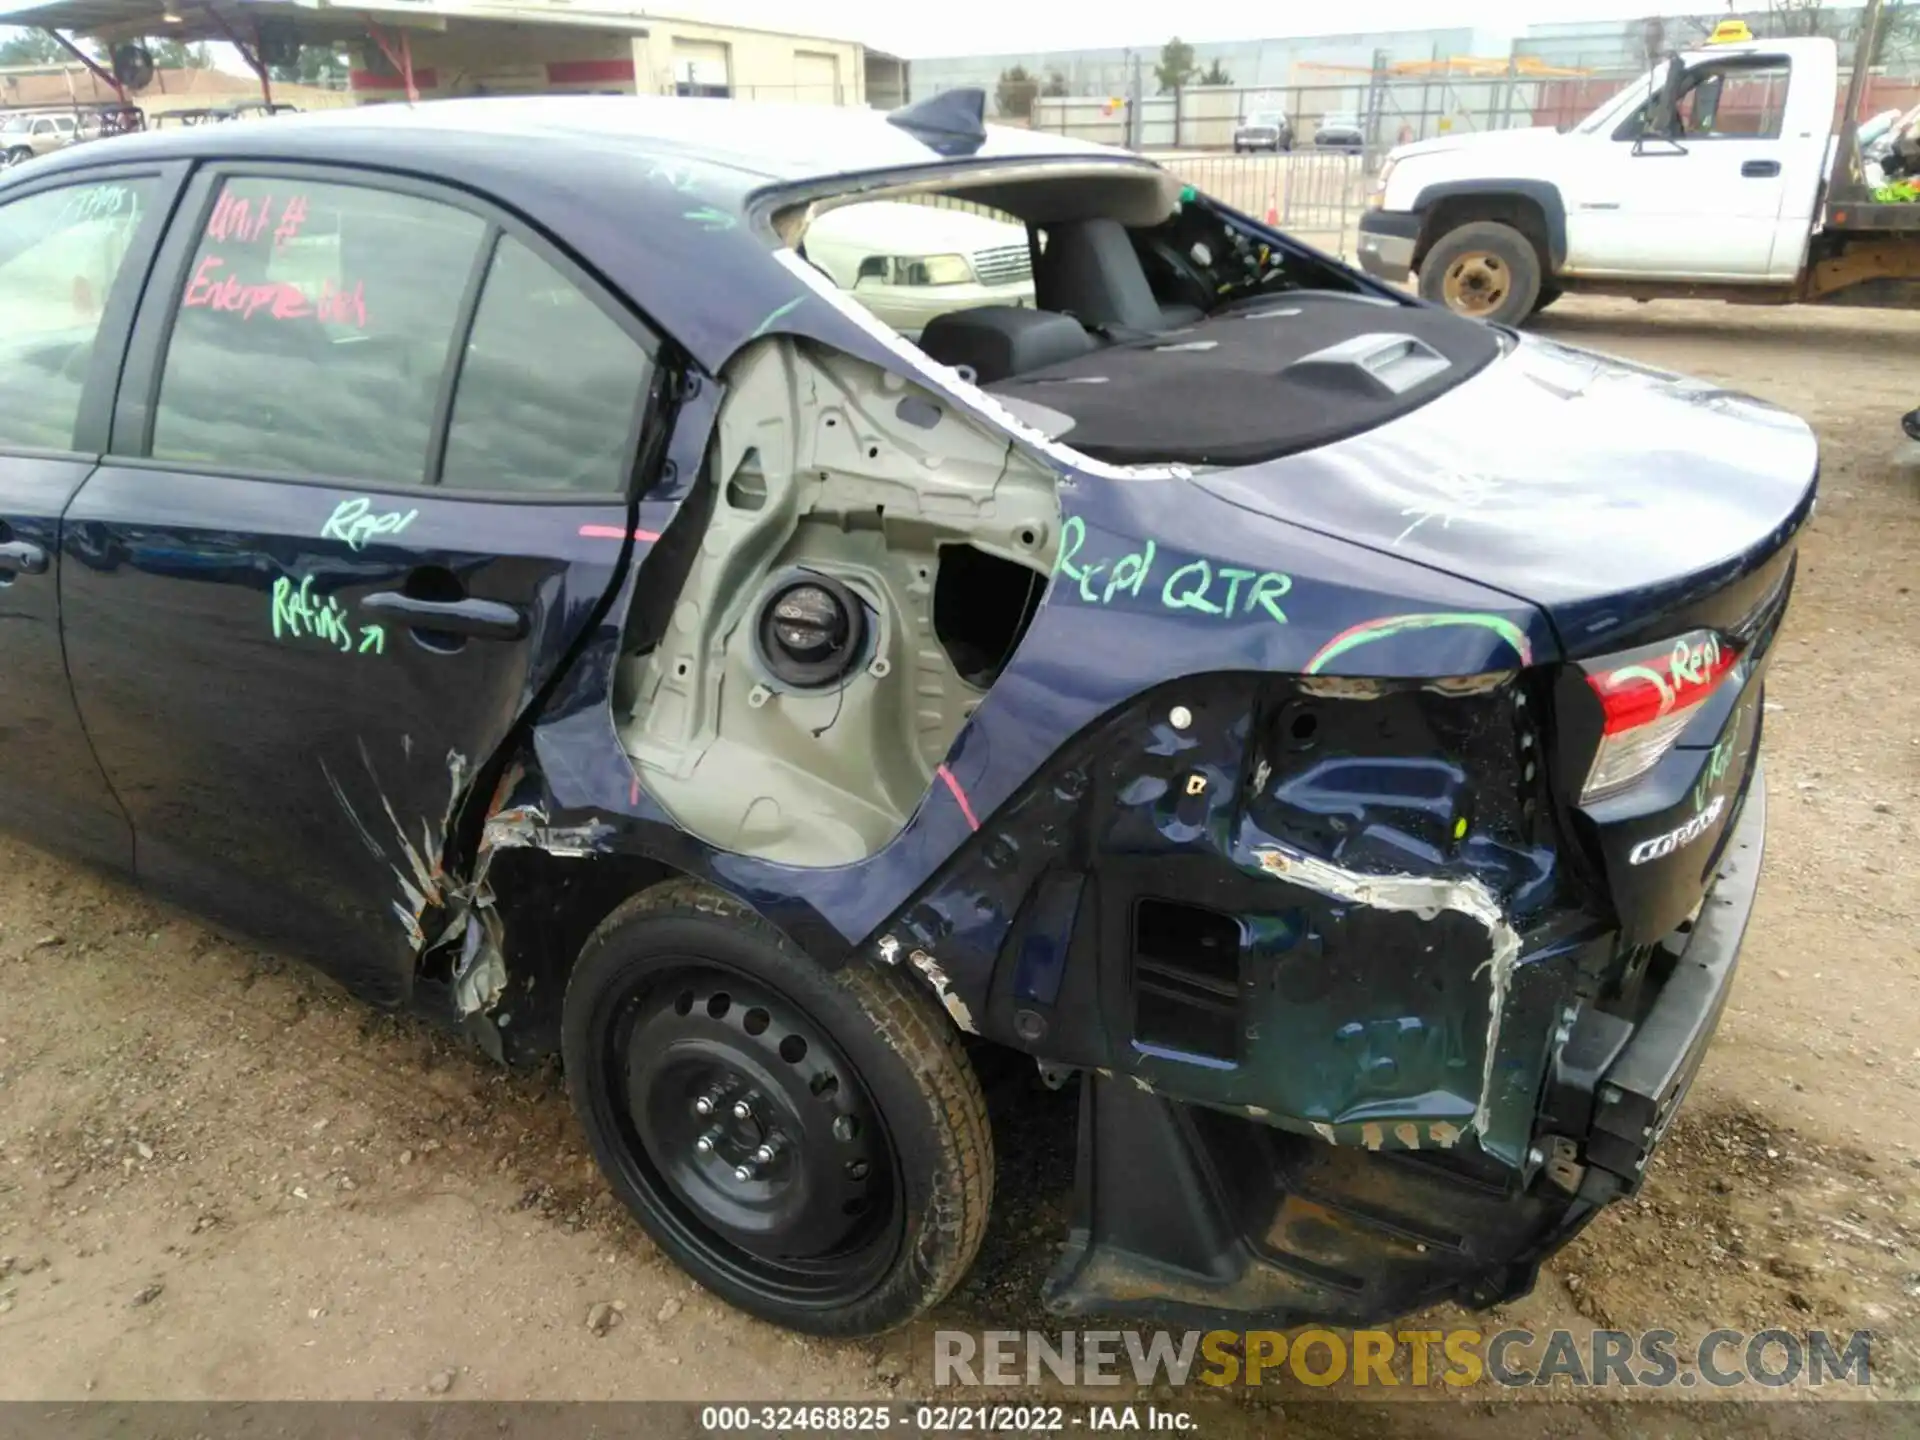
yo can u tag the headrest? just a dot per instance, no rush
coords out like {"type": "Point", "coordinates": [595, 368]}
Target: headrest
{"type": "Point", "coordinates": [1000, 341]}
{"type": "Point", "coordinates": [1090, 270]}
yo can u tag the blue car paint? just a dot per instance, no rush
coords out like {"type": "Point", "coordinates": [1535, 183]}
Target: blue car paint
{"type": "Point", "coordinates": [239, 781]}
{"type": "Point", "coordinates": [1608, 494]}
{"type": "Point", "coordinates": [1425, 551]}
{"type": "Point", "coordinates": [1050, 694]}
{"type": "Point", "coordinates": [52, 785]}
{"type": "Point", "coordinates": [646, 222]}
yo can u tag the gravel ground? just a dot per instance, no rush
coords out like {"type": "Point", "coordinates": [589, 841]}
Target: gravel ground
{"type": "Point", "coordinates": [222, 1179]}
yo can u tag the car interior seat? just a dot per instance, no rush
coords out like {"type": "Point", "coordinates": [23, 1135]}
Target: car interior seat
{"type": "Point", "coordinates": [1089, 269]}
{"type": "Point", "coordinates": [997, 342]}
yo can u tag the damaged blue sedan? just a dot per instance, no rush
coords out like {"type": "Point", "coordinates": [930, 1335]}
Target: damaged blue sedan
{"type": "Point", "coordinates": [473, 546]}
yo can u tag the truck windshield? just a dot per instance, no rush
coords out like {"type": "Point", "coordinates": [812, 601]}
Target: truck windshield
{"type": "Point", "coordinates": [1617, 104]}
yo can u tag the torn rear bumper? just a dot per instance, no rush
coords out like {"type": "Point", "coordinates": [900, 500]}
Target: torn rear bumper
{"type": "Point", "coordinates": [1642, 1088]}
{"type": "Point", "coordinates": [1248, 1220]}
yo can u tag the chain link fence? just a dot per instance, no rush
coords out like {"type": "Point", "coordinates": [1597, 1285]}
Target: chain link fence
{"type": "Point", "coordinates": [1316, 197]}
{"type": "Point", "coordinates": [1317, 188]}
{"type": "Point", "coordinates": [1388, 110]}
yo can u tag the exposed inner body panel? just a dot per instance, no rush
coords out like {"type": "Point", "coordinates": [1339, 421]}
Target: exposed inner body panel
{"type": "Point", "coordinates": [871, 562]}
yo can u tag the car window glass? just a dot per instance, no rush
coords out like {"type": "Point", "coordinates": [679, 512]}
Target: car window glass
{"type": "Point", "coordinates": [1725, 101]}
{"type": "Point", "coordinates": [1744, 101]}
{"type": "Point", "coordinates": [910, 260]}
{"type": "Point", "coordinates": [313, 331]}
{"type": "Point", "coordinates": [60, 251]}
{"type": "Point", "coordinates": [549, 389]}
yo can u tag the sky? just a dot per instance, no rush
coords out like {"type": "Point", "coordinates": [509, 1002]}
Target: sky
{"type": "Point", "coordinates": [977, 27]}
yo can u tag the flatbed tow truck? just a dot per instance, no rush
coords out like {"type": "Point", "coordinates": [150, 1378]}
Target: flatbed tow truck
{"type": "Point", "coordinates": [1726, 172]}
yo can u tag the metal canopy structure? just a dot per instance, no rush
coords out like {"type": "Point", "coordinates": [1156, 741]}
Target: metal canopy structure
{"type": "Point", "coordinates": [250, 26]}
{"type": "Point", "coordinates": [114, 21]}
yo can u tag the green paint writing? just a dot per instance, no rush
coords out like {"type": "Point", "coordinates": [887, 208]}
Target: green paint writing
{"type": "Point", "coordinates": [300, 614]}
{"type": "Point", "coordinates": [1198, 585]}
{"type": "Point", "coordinates": [1392, 625]}
{"type": "Point", "coordinates": [708, 218]}
{"type": "Point", "coordinates": [776, 317]}
{"type": "Point", "coordinates": [356, 522]}
{"type": "Point", "coordinates": [1713, 771]}
{"type": "Point", "coordinates": [1073, 535]}
{"type": "Point", "coordinates": [1652, 677]}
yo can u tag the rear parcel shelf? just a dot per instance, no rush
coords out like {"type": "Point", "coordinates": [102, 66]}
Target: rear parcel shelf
{"type": "Point", "coordinates": [1257, 383]}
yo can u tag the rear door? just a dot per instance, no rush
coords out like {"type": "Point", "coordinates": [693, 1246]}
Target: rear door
{"type": "Point", "coordinates": [372, 471]}
{"type": "Point", "coordinates": [73, 251]}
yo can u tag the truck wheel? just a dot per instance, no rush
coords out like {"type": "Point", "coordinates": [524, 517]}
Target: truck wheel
{"type": "Point", "coordinates": [1485, 270]}
{"type": "Point", "coordinates": [19, 155]}
{"type": "Point", "coordinates": [811, 1146]}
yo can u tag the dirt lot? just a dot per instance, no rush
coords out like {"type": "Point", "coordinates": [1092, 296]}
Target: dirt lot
{"type": "Point", "coordinates": [219, 1178]}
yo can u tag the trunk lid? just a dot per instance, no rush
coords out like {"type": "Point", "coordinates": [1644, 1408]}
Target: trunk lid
{"type": "Point", "coordinates": [1653, 519]}
{"type": "Point", "coordinates": [1625, 502]}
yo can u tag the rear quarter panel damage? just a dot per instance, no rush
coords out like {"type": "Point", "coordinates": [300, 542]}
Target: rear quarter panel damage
{"type": "Point", "coordinates": [1163, 596]}
{"type": "Point", "coordinates": [1412, 937]}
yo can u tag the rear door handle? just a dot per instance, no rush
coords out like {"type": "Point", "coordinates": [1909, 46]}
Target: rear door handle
{"type": "Point", "coordinates": [24, 556]}
{"type": "Point", "coordinates": [1760, 169]}
{"type": "Point", "coordinates": [482, 619]}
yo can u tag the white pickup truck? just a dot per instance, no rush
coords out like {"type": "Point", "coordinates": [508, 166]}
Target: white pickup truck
{"type": "Point", "coordinates": [1720, 174]}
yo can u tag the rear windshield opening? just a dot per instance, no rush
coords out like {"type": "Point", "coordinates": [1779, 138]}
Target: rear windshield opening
{"type": "Point", "coordinates": [1141, 333]}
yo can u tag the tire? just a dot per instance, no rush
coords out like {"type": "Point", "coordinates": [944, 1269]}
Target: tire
{"type": "Point", "coordinates": [1484, 270]}
{"type": "Point", "coordinates": [874, 1199]}
{"type": "Point", "coordinates": [1548, 294]}
{"type": "Point", "coordinates": [19, 155]}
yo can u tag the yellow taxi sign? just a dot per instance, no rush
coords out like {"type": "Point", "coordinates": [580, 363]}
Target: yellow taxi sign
{"type": "Point", "coordinates": [1730, 32]}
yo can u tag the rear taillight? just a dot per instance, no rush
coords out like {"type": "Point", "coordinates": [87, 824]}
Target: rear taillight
{"type": "Point", "coordinates": [1648, 698]}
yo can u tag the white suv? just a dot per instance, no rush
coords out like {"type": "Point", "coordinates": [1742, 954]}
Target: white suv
{"type": "Point", "coordinates": [24, 136]}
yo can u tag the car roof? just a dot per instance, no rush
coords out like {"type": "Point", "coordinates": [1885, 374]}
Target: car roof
{"type": "Point", "coordinates": [650, 192]}
{"type": "Point", "coordinates": [769, 142]}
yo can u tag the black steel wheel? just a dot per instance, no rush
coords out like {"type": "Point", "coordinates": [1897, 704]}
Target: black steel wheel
{"type": "Point", "coordinates": [751, 1126]}
{"type": "Point", "coordinates": [811, 1146]}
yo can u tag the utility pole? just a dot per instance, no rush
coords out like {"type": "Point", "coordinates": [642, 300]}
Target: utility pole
{"type": "Point", "coordinates": [1136, 94]}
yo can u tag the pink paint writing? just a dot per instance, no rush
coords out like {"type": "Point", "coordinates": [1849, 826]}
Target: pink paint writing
{"type": "Point", "coordinates": [281, 301]}
{"type": "Point", "coordinates": [614, 532]}
{"type": "Point", "coordinates": [291, 219]}
{"type": "Point", "coordinates": [246, 220]}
